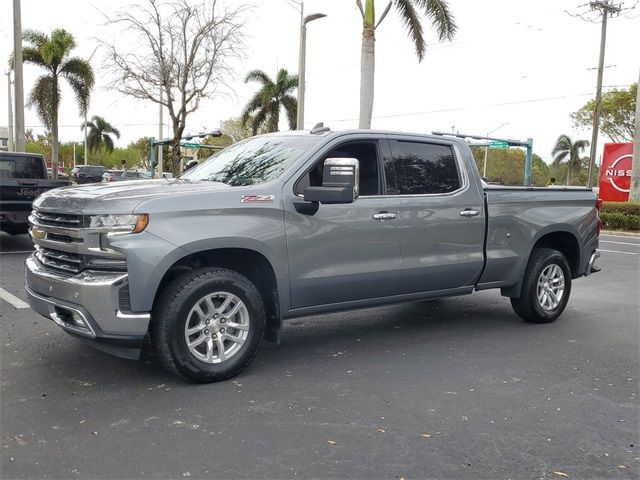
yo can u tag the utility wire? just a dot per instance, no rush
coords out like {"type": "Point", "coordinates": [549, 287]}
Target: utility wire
{"type": "Point", "coordinates": [456, 109]}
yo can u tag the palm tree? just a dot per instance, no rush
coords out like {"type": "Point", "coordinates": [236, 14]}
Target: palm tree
{"type": "Point", "coordinates": [436, 10]}
{"type": "Point", "coordinates": [263, 110]}
{"type": "Point", "coordinates": [99, 135]}
{"type": "Point", "coordinates": [567, 149]}
{"type": "Point", "coordinates": [53, 54]}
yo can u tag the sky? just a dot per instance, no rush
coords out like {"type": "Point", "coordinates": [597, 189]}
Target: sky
{"type": "Point", "coordinates": [520, 66]}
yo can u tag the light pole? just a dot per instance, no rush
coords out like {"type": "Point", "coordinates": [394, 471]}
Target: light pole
{"type": "Point", "coordinates": [486, 150]}
{"type": "Point", "coordinates": [18, 76]}
{"type": "Point", "coordinates": [302, 60]}
{"type": "Point", "coordinates": [606, 8]}
{"type": "Point", "coordinates": [11, 138]}
{"type": "Point", "coordinates": [160, 125]}
{"type": "Point", "coordinates": [85, 113]}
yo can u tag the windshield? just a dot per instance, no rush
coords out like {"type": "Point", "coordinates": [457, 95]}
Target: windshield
{"type": "Point", "coordinates": [256, 160]}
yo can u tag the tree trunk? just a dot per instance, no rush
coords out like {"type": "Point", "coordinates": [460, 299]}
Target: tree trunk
{"type": "Point", "coordinates": [176, 153]}
{"type": "Point", "coordinates": [367, 73]}
{"type": "Point", "coordinates": [634, 193]}
{"type": "Point", "coordinates": [274, 119]}
{"type": "Point", "coordinates": [54, 146]}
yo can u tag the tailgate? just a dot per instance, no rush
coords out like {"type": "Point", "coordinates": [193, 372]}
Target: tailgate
{"type": "Point", "coordinates": [19, 193]}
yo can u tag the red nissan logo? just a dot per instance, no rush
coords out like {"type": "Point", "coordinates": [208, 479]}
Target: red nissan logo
{"type": "Point", "coordinates": [619, 173]}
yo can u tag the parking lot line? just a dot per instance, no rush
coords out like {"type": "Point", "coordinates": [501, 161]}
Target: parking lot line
{"type": "Point", "coordinates": [616, 251]}
{"type": "Point", "coordinates": [12, 299]}
{"type": "Point", "coordinates": [620, 243]}
{"type": "Point", "coordinates": [17, 251]}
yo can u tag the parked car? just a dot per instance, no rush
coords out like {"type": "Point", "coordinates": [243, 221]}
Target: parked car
{"type": "Point", "coordinates": [87, 173]}
{"type": "Point", "coordinates": [62, 174]}
{"type": "Point", "coordinates": [23, 176]}
{"type": "Point", "coordinates": [123, 175]}
{"type": "Point", "coordinates": [285, 225]}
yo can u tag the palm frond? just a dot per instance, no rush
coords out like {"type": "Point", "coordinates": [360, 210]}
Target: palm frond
{"type": "Point", "coordinates": [559, 157]}
{"type": "Point", "coordinates": [108, 143]}
{"type": "Point", "coordinates": [35, 37]}
{"type": "Point", "coordinates": [32, 55]}
{"type": "Point", "coordinates": [79, 74]}
{"type": "Point", "coordinates": [290, 104]}
{"type": "Point", "coordinates": [254, 104]}
{"type": "Point", "coordinates": [563, 143]}
{"type": "Point", "coordinates": [258, 120]}
{"type": "Point", "coordinates": [105, 127]}
{"type": "Point", "coordinates": [440, 16]}
{"type": "Point", "coordinates": [412, 22]}
{"type": "Point", "coordinates": [88, 125]}
{"type": "Point", "coordinates": [45, 98]}
{"type": "Point", "coordinates": [258, 76]}
{"type": "Point", "coordinates": [581, 145]}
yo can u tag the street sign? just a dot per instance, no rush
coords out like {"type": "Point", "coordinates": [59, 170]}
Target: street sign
{"type": "Point", "coordinates": [497, 144]}
{"type": "Point", "coordinates": [190, 145]}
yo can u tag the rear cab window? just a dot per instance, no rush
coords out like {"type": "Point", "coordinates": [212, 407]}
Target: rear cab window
{"type": "Point", "coordinates": [422, 168]}
{"type": "Point", "coordinates": [22, 166]}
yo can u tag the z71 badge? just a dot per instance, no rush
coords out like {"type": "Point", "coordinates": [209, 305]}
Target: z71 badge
{"type": "Point", "coordinates": [258, 198]}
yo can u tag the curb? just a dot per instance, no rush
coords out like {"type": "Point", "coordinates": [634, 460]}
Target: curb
{"type": "Point", "coordinates": [619, 233]}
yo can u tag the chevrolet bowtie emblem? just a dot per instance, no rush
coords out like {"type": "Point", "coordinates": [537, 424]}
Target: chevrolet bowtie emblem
{"type": "Point", "coordinates": [37, 233]}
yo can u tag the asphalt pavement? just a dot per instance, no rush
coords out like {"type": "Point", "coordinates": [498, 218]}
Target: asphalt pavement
{"type": "Point", "coordinates": [456, 388]}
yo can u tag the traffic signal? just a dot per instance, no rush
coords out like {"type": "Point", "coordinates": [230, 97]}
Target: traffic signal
{"type": "Point", "coordinates": [215, 133]}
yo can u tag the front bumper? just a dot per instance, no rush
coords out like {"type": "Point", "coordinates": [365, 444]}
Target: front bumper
{"type": "Point", "coordinates": [88, 305]}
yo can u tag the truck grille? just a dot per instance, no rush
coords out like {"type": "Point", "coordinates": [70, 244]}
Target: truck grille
{"type": "Point", "coordinates": [65, 246]}
{"type": "Point", "coordinates": [59, 261]}
{"type": "Point", "coordinates": [58, 219]}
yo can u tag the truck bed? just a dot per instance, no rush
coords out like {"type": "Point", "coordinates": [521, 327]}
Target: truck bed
{"type": "Point", "coordinates": [518, 216]}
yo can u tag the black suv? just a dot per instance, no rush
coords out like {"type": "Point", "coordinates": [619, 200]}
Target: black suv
{"type": "Point", "coordinates": [87, 173]}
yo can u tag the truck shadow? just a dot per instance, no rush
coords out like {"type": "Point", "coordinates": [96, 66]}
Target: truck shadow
{"type": "Point", "coordinates": [313, 340]}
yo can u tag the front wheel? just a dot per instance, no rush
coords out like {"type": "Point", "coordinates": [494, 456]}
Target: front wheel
{"type": "Point", "coordinates": [208, 324]}
{"type": "Point", "coordinates": [546, 287]}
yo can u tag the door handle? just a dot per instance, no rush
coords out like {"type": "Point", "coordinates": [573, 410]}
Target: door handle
{"type": "Point", "coordinates": [469, 212]}
{"type": "Point", "coordinates": [385, 216]}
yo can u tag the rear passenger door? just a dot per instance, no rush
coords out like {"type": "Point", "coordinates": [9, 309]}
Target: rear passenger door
{"type": "Point", "coordinates": [441, 214]}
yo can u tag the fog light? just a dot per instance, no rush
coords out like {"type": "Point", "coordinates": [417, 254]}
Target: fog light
{"type": "Point", "coordinates": [78, 320]}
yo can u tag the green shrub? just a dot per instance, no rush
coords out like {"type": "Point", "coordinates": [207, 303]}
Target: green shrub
{"type": "Point", "coordinates": [620, 221]}
{"type": "Point", "coordinates": [621, 207]}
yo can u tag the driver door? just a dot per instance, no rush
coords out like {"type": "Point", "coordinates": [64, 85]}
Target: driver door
{"type": "Point", "coordinates": [344, 253]}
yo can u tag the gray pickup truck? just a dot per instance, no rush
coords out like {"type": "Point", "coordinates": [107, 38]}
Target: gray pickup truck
{"type": "Point", "coordinates": [292, 224]}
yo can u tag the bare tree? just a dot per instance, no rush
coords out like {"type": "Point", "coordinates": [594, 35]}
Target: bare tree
{"type": "Point", "coordinates": [182, 54]}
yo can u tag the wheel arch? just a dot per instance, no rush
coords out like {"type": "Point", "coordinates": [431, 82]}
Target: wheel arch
{"type": "Point", "coordinates": [248, 262]}
{"type": "Point", "coordinates": [563, 238]}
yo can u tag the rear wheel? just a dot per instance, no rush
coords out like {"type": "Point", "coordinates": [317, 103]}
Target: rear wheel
{"type": "Point", "coordinates": [546, 287]}
{"type": "Point", "coordinates": [208, 324]}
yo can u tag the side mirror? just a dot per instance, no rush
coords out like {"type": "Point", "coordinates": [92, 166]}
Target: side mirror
{"type": "Point", "coordinates": [340, 180]}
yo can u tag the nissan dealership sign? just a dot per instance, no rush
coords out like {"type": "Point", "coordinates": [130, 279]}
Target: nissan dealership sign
{"type": "Point", "coordinates": [615, 174]}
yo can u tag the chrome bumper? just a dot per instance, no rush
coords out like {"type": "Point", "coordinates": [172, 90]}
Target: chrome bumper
{"type": "Point", "coordinates": [87, 304]}
{"type": "Point", "coordinates": [591, 266]}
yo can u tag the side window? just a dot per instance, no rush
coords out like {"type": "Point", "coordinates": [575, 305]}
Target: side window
{"type": "Point", "coordinates": [424, 168]}
{"type": "Point", "coordinates": [367, 154]}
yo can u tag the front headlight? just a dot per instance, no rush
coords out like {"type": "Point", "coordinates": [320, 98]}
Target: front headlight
{"type": "Point", "coordinates": [119, 224]}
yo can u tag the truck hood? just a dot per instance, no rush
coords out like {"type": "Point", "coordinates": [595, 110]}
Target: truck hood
{"type": "Point", "coordinates": [117, 197]}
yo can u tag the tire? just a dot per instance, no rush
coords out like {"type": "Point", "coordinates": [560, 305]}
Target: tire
{"type": "Point", "coordinates": [530, 306]}
{"type": "Point", "coordinates": [89, 180]}
{"type": "Point", "coordinates": [177, 310]}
